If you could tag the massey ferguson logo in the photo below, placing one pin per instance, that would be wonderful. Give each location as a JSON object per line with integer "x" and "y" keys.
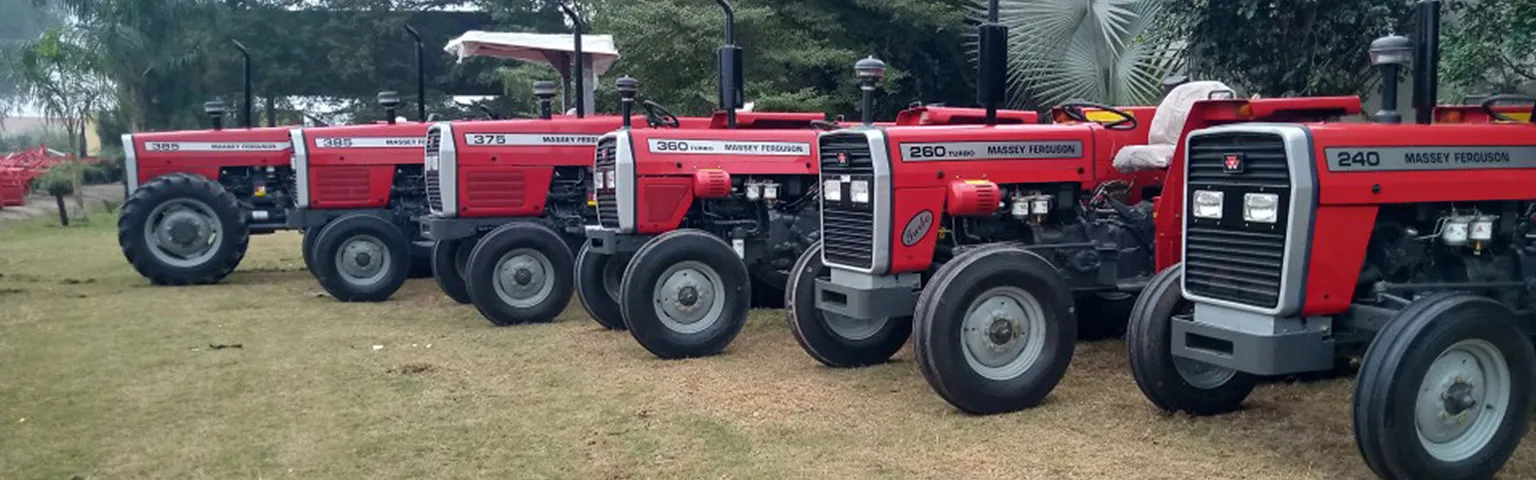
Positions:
{"x": 842, "y": 159}
{"x": 1233, "y": 163}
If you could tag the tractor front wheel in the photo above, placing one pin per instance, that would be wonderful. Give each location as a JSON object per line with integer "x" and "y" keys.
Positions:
{"x": 598, "y": 278}
{"x": 183, "y": 229}
{"x": 450, "y": 259}
{"x": 686, "y": 294}
{"x": 994, "y": 330}
{"x": 1177, "y": 384}
{"x": 520, "y": 273}
{"x": 1444, "y": 390}
{"x": 836, "y": 340}
{"x": 361, "y": 258}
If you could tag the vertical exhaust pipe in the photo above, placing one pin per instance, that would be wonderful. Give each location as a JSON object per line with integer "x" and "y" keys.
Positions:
{"x": 581, "y": 60}
{"x": 991, "y": 71}
{"x": 628, "y": 88}
{"x": 729, "y": 63}
{"x": 544, "y": 90}
{"x": 870, "y": 70}
{"x": 421, "y": 74}
{"x": 1390, "y": 53}
{"x": 1426, "y": 62}
{"x": 245, "y": 106}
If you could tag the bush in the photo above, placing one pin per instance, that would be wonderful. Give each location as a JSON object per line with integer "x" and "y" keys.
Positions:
{"x": 60, "y": 179}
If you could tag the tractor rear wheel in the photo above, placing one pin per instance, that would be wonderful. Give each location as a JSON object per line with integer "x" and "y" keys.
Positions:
{"x": 450, "y": 259}
{"x": 1173, "y": 383}
{"x": 835, "y": 340}
{"x": 1444, "y": 390}
{"x": 183, "y": 229}
{"x": 598, "y": 278}
{"x": 361, "y": 258}
{"x": 994, "y": 331}
{"x": 686, "y": 294}
{"x": 520, "y": 273}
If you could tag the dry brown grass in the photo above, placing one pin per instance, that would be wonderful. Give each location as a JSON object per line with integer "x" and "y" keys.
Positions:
{"x": 106, "y": 377}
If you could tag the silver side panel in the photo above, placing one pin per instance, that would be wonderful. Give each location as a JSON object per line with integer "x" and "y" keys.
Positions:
{"x": 130, "y": 163}
{"x": 883, "y": 193}
{"x": 448, "y": 170}
{"x": 300, "y": 164}
{"x": 624, "y": 181}
{"x": 1298, "y": 229}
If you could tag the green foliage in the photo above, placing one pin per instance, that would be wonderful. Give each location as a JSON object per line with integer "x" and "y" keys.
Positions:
{"x": 1488, "y": 48}
{"x": 14, "y": 142}
{"x": 1095, "y": 50}
{"x": 61, "y": 178}
{"x": 1284, "y": 47}
{"x": 799, "y": 53}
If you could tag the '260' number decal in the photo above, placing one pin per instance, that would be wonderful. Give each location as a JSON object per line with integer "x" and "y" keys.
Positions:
{"x": 927, "y": 152}
{"x": 1358, "y": 159}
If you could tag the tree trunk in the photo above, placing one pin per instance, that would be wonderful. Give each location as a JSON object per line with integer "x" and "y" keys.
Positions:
{"x": 63, "y": 214}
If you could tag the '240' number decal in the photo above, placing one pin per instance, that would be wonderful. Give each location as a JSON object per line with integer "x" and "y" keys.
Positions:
{"x": 1358, "y": 159}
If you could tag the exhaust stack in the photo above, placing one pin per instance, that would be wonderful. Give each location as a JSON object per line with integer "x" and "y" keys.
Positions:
{"x": 581, "y": 61}
{"x": 991, "y": 71}
{"x": 215, "y": 110}
{"x": 389, "y": 99}
{"x": 1426, "y": 61}
{"x": 870, "y": 70}
{"x": 1390, "y": 53}
{"x": 421, "y": 74}
{"x": 729, "y": 63}
{"x": 245, "y": 106}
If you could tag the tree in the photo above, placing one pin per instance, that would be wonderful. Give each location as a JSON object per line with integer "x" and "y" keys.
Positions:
{"x": 1284, "y": 47}
{"x": 1484, "y": 53}
{"x": 60, "y": 76}
{"x": 1095, "y": 50}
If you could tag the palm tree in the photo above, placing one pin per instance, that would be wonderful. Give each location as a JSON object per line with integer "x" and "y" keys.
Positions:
{"x": 1098, "y": 50}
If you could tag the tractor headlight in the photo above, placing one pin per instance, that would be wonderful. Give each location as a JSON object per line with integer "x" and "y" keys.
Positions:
{"x": 612, "y": 179}
{"x": 1261, "y": 207}
{"x": 832, "y": 190}
{"x": 597, "y": 181}
{"x": 1208, "y": 204}
{"x": 859, "y": 191}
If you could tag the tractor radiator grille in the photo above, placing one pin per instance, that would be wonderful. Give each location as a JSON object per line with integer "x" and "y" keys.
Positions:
{"x": 605, "y": 168}
{"x": 432, "y": 172}
{"x": 1231, "y": 258}
{"x": 848, "y": 228}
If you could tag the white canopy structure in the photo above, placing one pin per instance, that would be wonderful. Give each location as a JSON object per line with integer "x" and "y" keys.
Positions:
{"x": 555, "y": 50}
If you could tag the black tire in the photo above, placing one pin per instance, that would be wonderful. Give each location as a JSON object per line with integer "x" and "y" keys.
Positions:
{"x": 1388, "y": 418}
{"x": 421, "y": 259}
{"x": 449, "y": 260}
{"x": 547, "y": 261}
{"x": 944, "y": 307}
{"x": 386, "y": 275}
{"x": 162, "y": 268}
{"x": 686, "y": 249}
{"x": 307, "y": 247}
{"x": 816, "y": 335}
{"x": 1102, "y": 316}
{"x": 1150, "y": 342}
{"x": 598, "y": 280}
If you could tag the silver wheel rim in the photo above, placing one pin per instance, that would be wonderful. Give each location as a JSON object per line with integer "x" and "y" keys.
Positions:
{"x": 184, "y": 233}
{"x": 522, "y": 278}
{"x": 1004, "y": 333}
{"x": 689, "y": 298}
{"x": 363, "y": 260}
{"x": 1202, "y": 375}
{"x": 1462, "y": 401}
{"x": 852, "y": 329}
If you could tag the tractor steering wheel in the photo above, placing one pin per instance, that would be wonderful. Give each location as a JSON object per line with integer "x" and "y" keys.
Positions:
{"x": 658, "y": 116}
{"x": 1490, "y": 102}
{"x": 1073, "y": 109}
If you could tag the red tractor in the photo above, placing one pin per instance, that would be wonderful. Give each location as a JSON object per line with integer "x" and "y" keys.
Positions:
{"x": 996, "y": 247}
{"x": 1297, "y": 244}
{"x": 195, "y": 197}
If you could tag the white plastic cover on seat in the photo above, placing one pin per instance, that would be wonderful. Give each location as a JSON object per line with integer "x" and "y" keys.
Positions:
{"x": 1167, "y": 127}
{"x": 533, "y": 47}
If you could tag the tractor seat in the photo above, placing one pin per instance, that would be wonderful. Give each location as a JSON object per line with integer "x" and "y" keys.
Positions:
{"x": 1167, "y": 127}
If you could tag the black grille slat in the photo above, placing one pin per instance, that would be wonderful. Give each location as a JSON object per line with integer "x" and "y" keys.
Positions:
{"x": 607, "y": 198}
{"x": 1231, "y": 259}
{"x": 434, "y": 145}
{"x": 848, "y": 228}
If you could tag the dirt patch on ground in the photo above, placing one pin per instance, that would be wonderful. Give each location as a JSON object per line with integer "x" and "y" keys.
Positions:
{"x": 97, "y": 198}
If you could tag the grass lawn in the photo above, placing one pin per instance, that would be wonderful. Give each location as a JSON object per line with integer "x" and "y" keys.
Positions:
{"x": 104, "y": 376}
